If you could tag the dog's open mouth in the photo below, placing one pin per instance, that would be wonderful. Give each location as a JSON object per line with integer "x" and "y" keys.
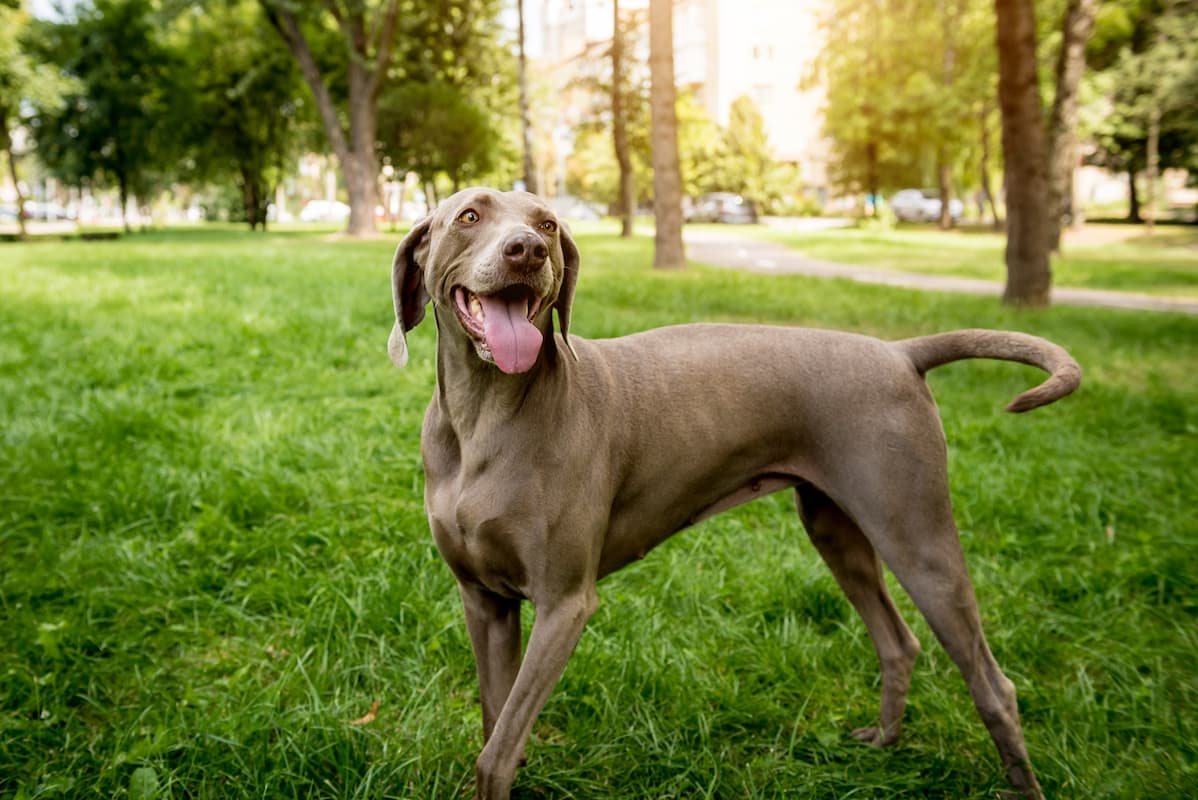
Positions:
{"x": 501, "y": 325}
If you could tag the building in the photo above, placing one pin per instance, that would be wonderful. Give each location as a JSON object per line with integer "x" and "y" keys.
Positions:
{"x": 723, "y": 49}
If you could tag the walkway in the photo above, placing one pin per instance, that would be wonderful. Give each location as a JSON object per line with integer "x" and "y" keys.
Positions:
{"x": 726, "y": 249}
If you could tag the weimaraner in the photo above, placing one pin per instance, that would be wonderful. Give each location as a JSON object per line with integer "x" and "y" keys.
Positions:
{"x": 552, "y": 461}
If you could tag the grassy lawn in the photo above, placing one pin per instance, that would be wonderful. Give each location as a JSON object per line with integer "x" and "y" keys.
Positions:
{"x": 1114, "y": 257}
{"x": 213, "y": 553}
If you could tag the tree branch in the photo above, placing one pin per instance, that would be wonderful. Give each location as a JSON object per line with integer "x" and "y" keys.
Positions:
{"x": 383, "y": 53}
{"x": 287, "y": 25}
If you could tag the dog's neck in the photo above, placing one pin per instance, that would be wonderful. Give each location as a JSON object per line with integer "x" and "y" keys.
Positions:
{"x": 482, "y": 391}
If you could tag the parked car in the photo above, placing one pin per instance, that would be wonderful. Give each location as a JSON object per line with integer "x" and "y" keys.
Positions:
{"x": 723, "y": 207}
{"x": 324, "y": 211}
{"x": 47, "y": 212}
{"x": 923, "y": 205}
{"x": 568, "y": 207}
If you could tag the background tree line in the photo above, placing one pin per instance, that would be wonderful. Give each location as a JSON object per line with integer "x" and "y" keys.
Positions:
{"x": 980, "y": 99}
{"x": 912, "y": 94}
{"x": 152, "y": 96}
{"x": 917, "y": 93}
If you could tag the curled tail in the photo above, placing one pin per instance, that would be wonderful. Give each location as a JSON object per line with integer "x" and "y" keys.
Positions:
{"x": 928, "y": 352}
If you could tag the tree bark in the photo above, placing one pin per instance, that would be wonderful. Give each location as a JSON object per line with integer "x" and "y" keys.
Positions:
{"x": 1133, "y": 197}
{"x": 668, "y": 251}
{"x": 872, "y": 180}
{"x": 1153, "y": 166}
{"x": 950, "y": 17}
{"x": 16, "y": 182}
{"x": 984, "y": 167}
{"x": 531, "y": 183}
{"x": 123, "y": 192}
{"x": 627, "y": 198}
{"x": 1029, "y": 278}
{"x": 946, "y": 195}
{"x": 1076, "y": 26}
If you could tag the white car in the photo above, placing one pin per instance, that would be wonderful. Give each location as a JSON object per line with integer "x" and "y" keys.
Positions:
{"x": 923, "y": 205}
{"x": 324, "y": 211}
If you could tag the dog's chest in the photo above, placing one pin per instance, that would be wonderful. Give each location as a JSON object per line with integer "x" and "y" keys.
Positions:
{"x": 488, "y": 523}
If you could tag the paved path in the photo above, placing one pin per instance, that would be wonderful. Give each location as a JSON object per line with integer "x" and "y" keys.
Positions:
{"x": 722, "y": 249}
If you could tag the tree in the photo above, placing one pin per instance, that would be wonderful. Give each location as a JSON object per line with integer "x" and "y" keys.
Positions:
{"x": 896, "y": 120}
{"x": 627, "y": 194}
{"x": 413, "y": 120}
{"x": 1029, "y": 280}
{"x": 667, "y": 182}
{"x": 452, "y": 48}
{"x": 110, "y": 125}
{"x": 747, "y": 155}
{"x": 367, "y": 37}
{"x": 23, "y": 81}
{"x": 1147, "y": 67}
{"x": 247, "y": 116}
{"x": 531, "y": 183}
{"x": 1076, "y": 25}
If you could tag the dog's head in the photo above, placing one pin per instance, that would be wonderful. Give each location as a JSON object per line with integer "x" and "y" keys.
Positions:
{"x": 495, "y": 264}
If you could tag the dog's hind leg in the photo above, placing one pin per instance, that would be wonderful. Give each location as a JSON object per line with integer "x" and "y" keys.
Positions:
{"x": 916, "y": 537}
{"x": 855, "y": 565}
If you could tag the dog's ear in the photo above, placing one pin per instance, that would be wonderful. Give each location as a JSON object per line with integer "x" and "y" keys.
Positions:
{"x": 565, "y": 294}
{"x": 407, "y": 288}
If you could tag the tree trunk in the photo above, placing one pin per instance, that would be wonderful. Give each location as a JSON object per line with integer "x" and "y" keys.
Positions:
{"x": 355, "y": 151}
{"x": 16, "y": 184}
{"x": 361, "y": 167}
{"x": 1076, "y": 26}
{"x": 668, "y": 251}
{"x": 627, "y": 199}
{"x": 949, "y": 22}
{"x": 946, "y": 196}
{"x": 871, "y": 169}
{"x": 123, "y": 191}
{"x": 987, "y": 192}
{"x": 1133, "y": 197}
{"x": 1029, "y": 279}
{"x": 530, "y": 165}
{"x": 1153, "y": 159}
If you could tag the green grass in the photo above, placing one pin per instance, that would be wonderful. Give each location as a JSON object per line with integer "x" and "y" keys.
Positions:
{"x": 1165, "y": 263}
{"x": 213, "y": 552}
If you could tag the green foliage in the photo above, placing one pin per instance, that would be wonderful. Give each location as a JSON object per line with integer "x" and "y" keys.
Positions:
{"x": 737, "y": 158}
{"x": 247, "y": 115}
{"x": 700, "y": 148}
{"x": 1150, "y": 55}
{"x": 746, "y": 151}
{"x": 592, "y": 171}
{"x": 213, "y": 551}
{"x": 447, "y": 106}
{"x": 435, "y": 128}
{"x": 23, "y": 79}
{"x": 907, "y": 85}
{"x": 114, "y": 126}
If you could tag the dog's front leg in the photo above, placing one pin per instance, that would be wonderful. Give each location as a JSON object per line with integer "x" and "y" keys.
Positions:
{"x": 494, "y": 625}
{"x": 555, "y": 632}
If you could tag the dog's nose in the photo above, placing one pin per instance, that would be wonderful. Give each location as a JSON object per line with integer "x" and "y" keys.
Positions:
{"x": 524, "y": 251}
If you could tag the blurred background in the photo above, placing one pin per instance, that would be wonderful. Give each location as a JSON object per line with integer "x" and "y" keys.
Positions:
{"x": 151, "y": 112}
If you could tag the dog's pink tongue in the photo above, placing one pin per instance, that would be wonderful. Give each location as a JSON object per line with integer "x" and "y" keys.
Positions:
{"x": 513, "y": 340}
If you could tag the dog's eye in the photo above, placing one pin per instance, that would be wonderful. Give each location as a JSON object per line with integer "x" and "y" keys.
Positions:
{"x": 469, "y": 217}
{"x": 548, "y": 226}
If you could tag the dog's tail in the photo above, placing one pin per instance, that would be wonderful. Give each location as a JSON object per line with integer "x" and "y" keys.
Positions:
{"x": 928, "y": 352}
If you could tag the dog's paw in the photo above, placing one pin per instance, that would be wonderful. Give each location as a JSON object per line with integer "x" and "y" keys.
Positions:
{"x": 875, "y": 736}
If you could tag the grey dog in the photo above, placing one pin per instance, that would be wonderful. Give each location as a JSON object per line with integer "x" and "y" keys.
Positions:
{"x": 551, "y": 461}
